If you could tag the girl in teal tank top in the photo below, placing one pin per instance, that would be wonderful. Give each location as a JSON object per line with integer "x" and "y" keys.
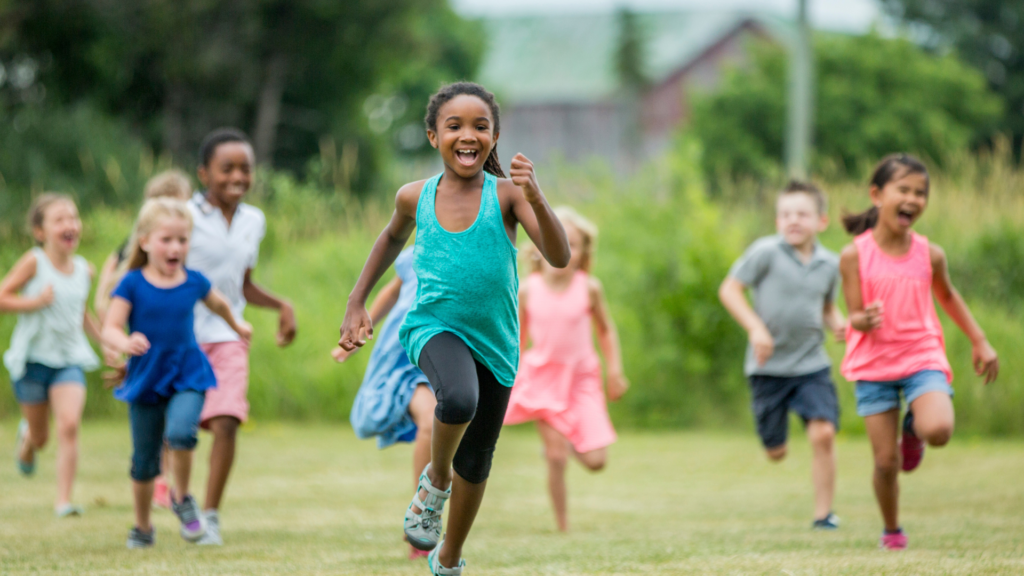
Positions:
{"x": 463, "y": 330}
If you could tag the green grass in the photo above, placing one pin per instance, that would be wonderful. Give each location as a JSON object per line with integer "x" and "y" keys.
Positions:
{"x": 314, "y": 500}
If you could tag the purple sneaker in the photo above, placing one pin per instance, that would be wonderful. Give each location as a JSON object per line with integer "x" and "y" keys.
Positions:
{"x": 911, "y": 446}
{"x": 192, "y": 525}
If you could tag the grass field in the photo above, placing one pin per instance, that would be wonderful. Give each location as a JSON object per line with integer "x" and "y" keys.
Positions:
{"x": 314, "y": 500}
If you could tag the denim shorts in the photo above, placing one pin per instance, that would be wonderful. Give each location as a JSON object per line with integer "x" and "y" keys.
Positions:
{"x": 810, "y": 396}
{"x": 877, "y": 397}
{"x": 174, "y": 420}
{"x": 34, "y": 386}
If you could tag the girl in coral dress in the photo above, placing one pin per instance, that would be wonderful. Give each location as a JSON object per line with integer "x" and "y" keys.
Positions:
{"x": 559, "y": 382}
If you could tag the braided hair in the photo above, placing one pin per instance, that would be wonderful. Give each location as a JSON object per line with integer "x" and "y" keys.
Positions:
{"x": 450, "y": 91}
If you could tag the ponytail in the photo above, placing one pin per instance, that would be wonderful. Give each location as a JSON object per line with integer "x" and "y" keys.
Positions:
{"x": 857, "y": 224}
{"x": 492, "y": 165}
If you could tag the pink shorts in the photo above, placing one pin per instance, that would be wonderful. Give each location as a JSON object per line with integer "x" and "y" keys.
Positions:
{"x": 230, "y": 362}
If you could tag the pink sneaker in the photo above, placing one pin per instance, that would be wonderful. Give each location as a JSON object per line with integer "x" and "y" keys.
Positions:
{"x": 911, "y": 447}
{"x": 894, "y": 541}
{"x": 161, "y": 494}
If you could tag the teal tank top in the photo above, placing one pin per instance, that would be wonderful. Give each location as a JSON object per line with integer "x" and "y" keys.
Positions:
{"x": 468, "y": 284}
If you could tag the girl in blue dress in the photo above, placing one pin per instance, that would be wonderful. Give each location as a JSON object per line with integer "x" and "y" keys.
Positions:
{"x": 463, "y": 330}
{"x": 395, "y": 402}
{"x": 167, "y": 374}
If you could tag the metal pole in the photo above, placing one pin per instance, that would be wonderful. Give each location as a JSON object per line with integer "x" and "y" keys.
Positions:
{"x": 801, "y": 98}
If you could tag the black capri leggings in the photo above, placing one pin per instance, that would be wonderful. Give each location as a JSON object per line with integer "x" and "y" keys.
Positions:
{"x": 466, "y": 391}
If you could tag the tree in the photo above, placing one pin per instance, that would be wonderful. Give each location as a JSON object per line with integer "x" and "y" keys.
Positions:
{"x": 874, "y": 96}
{"x": 988, "y": 34}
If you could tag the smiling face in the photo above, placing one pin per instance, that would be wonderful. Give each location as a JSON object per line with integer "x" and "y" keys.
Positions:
{"x": 61, "y": 228}
{"x": 797, "y": 219}
{"x": 464, "y": 134}
{"x": 228, "y": 174}
{"x": 901, "y": 201}
{"x": 166, "y": 246}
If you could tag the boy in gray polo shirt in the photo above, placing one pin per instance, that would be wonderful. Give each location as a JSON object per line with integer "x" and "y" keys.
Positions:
{"x": 794, "y": 281}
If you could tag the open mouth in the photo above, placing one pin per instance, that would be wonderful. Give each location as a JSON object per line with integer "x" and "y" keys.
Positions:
{"x": 173, "y": 262}
{"x": 466, "y": 157}
{"x": 905, "y": 216}
{"x": 69, "y": 237}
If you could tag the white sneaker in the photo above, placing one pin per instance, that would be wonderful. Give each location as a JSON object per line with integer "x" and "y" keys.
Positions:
{"x": 423, "y": 530}
{"x": 212, "y": 536}
{"x": 437, "y": 569}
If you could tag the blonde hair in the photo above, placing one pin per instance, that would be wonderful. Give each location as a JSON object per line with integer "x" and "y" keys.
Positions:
{"x": 587, "y": 229}
{"x": 153, "y": 212}
{"x": 37, "y": 211}
{"x": 171, "y": 183}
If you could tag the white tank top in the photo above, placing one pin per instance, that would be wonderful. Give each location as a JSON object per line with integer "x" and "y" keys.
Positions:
{"x": 53, "y": 336}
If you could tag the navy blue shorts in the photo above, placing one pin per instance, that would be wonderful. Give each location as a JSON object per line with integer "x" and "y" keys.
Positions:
{"x": 811, "y": 396}
{"x": 34, "y": 386}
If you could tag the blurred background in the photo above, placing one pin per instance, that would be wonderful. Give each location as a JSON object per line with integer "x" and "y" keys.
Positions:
{"x": 670, "y": 123}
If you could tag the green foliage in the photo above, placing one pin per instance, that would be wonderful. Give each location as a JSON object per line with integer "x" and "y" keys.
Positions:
{"x": 873, "y": 96}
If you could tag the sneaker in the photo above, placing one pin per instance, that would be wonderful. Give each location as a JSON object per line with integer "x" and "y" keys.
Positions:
{"x": 423, "y": 530}
{"x": 212, "y": 536}
{"x": 893, "y": 541}
{"x": 139, "y": 539}
{"x": 415, "y": 554}
{"x": 68, "y": 511}
{"x": 161, "y": 494}
{"x": 911, "y": 446}
{"x": 193, "y": 525}
{"x": 435, "y": 565}
{"x": 26, "y": 468}
{"x": 830, "y": 522}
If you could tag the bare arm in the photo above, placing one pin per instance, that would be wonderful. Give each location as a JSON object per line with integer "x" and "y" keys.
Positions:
{"x": 263, "y": 298}
{"x": 357, "y": 325}
{"x": 105, "y": 286}
{"x": 733, "y": 295}
{"x": 10, "y": 299}
{"x": 862, "y": 318}
{"x": 984, "y": 357}
{"x": 218, "y": 305}
{"x": 531, "y": 209}
{"x": 381, "y": 307}
{"x": 608, "y": 340}
{"x": 524, "y": 320}
{"x": 114, "y": 336}
{"x": 834, "y": 320}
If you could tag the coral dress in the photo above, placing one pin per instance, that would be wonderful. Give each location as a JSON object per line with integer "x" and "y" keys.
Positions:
{"x": 559, "y": 378}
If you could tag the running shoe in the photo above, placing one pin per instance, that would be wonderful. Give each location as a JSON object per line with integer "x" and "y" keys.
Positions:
{"x": 161, "y": 494}
{"x": 68, "y": 511}
{"x": 415, "y": 554}
{"x": 893, "y": 541}
{"x": 911, "y": 446}
{"x": 435, "y": 565}
{"x": 26, "y": 468}
{"x": 423, "y": 529}
{"x": 830, "y": 522}
{"x": 193, "y": 525}
{"x": 212, "y": 536}
{"x": 139, "y": 539}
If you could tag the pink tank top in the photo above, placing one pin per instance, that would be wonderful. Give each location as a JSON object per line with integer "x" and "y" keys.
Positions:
{"x": 559, "y": 323}
{"x": 910, "y": 338}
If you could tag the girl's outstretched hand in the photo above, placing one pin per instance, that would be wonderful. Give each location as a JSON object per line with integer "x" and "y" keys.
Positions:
{"x": 356, "y": 328}
{"x": 137, "y": 344}
{"x": 522, "y": 175}
{"x": 617, "y": 386}
{"x": 986, "y": 362}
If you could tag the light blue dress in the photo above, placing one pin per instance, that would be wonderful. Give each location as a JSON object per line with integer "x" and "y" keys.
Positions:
{"x": 381, "y": 407}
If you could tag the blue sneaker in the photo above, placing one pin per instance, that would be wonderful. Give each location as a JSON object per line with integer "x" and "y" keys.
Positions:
{"x": 830, "y": 522}
{"x": 139, "y": 539}
{"x": 26, "y": 468}
{"x": 423, "y": 529}
{"x": 193, "y": 523}
{"x": 435, "y": 565}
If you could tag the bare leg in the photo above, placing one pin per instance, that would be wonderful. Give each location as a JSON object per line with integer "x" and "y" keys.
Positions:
{"x": 143, "y": 492}
{"x": 444, "y": 442}
{"x": 556, "y": 451}
{"x": 776, "y": 453}
{"x": 594, "y": 460}
{"x": 38, "y": 418}
{"x": 933, "y": 418}
{"x": 883, "y": 430}
{"x": 465, "y": 503}
{"x": 181, "y": 467}
{"x": 67, "y": 400}
{"x": 421, "y": 408}
{"x": 822, "y": 434}
{"x": 222, "y": 456}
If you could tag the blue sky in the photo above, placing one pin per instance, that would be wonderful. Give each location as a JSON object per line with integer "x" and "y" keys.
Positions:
{"x": 846, "y": 15}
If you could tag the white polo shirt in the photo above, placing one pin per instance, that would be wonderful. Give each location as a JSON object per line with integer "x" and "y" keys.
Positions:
{"x": 223, "y": 254}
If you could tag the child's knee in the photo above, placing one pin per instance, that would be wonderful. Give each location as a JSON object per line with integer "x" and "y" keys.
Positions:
{"x": 938, "y": 435}
{"x": 67, "y": 430}
{"x": 457, "y": 408}
{"x": 39, "y": 439}
{"x": 425, "y": 427}
{"x": 776, "y": 453}
{"x": 595, "y": 463}
{"x": 887, "y": 464}
{"x": 557, "y": 457}
{"x": 822, "y": 434}
{"x": 474, "y": 466}
{"x": 181, "y": 436}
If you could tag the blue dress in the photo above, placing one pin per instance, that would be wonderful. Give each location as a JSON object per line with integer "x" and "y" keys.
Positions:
{"x": 174, "y": 361}
{"x": 381, "y": 407}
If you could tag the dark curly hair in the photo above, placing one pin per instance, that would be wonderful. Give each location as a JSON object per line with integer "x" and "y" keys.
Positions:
{"x": 449, "y": 91}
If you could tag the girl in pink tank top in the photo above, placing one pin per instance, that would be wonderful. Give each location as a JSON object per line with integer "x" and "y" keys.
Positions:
{"x": 895, "y": 344}
{"x": 559, "y": 380}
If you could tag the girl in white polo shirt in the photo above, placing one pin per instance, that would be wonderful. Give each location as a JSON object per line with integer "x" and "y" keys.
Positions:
{"x": 225, "y": 247}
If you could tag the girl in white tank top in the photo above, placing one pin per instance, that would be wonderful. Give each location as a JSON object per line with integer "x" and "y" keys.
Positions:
{"x": 48, "y": 288}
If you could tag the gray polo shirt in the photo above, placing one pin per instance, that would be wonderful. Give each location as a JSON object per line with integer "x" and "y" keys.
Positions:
{"x": 789, "y": 297}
